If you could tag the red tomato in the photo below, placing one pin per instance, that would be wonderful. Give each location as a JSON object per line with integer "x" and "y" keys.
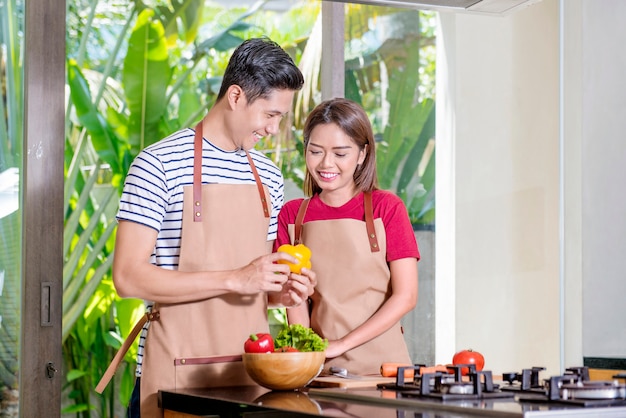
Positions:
{"x": 286, "y": 349}
{"x": 469, "y": 357}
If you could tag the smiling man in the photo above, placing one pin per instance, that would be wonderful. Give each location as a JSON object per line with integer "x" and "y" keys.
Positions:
{"x": 197, "y": 220}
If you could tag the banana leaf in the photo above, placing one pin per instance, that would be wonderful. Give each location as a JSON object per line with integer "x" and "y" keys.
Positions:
{"x": 145, "y": 77}
{"x": 10, "y": 298}
{"x": 102, "y": 136}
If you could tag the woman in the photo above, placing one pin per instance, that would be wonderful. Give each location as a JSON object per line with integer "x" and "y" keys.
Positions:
{"x": 363, "y": 246}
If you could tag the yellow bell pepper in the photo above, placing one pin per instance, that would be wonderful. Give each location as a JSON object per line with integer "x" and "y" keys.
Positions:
{"x": 301, "y": 252}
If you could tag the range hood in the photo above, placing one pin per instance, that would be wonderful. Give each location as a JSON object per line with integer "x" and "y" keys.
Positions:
{"x": 484, "y": 7}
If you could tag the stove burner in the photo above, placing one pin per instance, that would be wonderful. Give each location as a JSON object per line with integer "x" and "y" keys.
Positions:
{"x": 528, "y": 380}
{"x": 574, "y": 388}
{"x": 457, "y": 388}
{"x": 447, "y": 386}
{"x": 593, "y": 390}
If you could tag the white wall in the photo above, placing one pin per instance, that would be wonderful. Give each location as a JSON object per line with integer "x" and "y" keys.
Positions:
{"x": 603, "y": 159}
{"x": 571, "y": 140}
{"x": 502, "y": 131}
{"x": 531, "y": 223}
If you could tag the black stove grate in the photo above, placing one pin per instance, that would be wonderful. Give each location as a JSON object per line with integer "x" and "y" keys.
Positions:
{"x": 447, "y": 386}
{"x": 527, "y": 388}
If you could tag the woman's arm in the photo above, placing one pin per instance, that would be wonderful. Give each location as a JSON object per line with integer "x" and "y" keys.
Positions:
{"x": 299, "y": 315}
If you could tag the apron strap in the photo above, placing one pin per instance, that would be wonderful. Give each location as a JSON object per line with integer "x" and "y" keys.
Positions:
{"x": 369, "y": 222}
{"x": 115, "y": 363}
{"x": 197, "y": 174}
{"x": 197, "y": 178}
{"x": 193, "y": 361}
{"x": 297, "y": 239}
{"x": 259, "y": 186}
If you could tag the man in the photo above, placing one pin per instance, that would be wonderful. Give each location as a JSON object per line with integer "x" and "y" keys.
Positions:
{"x": 196, "y": 240}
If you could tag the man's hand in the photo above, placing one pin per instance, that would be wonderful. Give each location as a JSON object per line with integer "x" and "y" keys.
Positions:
{"x": 263, "y": 274}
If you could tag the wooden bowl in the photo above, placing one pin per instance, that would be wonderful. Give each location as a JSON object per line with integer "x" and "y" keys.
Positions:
{"x": 284, "y": 371}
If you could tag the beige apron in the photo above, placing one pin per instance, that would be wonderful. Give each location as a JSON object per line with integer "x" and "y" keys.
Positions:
{"x": 199, "y": 344}
{"x": 353, "y": 282}
{"x": 224, "y": 228}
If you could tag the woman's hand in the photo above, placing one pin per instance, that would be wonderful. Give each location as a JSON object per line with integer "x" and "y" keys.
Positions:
{"x": 296, "y": 289}
{"x": 335, "y": 349}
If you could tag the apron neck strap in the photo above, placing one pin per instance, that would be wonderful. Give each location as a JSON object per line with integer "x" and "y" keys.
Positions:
{"x": 197, "y": 174}
{"x": 369, "y": 221}
{"x": 297, "y": 238}
{"x": 259, "y": 185}
{"x": 197, "y": 178}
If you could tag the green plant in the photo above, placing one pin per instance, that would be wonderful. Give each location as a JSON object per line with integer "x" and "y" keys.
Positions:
{"x": 93, "y": 320}
{"x": 11, "y": 130}
{"x": 392, "y": 77}
{"x": 101, "y": 130}
{"x": 406, "y": 155}
{"x": 389, "y": 70}
{"x": 10, "y": 232}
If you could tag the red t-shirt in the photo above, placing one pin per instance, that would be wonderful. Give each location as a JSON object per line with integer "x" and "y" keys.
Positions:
{"x": 401, "y": 241}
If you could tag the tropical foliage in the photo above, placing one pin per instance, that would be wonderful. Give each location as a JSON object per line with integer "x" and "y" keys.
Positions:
{"x": 162, "y": 80}
{"x": 390, "y": 70}
{"x": 138, "y": 71}
{"x": 11, "y": 102}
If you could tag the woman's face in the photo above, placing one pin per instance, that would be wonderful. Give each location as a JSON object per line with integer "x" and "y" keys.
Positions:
{"x": 332, "y": 158}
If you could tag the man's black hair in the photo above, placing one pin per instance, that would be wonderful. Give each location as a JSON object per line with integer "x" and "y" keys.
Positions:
{"x": 259, "y": 66}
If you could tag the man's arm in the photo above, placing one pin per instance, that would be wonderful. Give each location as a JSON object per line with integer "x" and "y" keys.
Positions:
{"x": 135, "y": 276}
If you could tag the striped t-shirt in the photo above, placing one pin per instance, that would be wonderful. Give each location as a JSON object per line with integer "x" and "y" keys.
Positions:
{"x": 153, "y": 191}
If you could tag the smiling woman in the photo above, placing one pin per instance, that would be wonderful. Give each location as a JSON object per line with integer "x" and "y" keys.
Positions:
{"x": 362, "y": 244}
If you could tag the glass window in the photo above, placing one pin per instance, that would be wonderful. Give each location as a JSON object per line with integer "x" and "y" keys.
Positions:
{"x": 11, "y": 25}
{"x": 390, "y": 69}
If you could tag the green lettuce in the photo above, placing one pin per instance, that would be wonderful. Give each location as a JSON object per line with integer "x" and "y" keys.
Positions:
{"x": 300, "y": 338}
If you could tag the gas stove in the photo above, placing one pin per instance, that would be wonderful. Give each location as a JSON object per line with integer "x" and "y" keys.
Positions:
{"x": 447, "y": 386}
{"x": 573, "y": 388}
{"x": 523, "y": 394}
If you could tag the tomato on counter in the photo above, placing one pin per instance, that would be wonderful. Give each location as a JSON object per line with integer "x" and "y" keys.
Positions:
{"x": 469, "y": 357}
{"x": 259, "y": 343}
{"x": 301, "y": 252}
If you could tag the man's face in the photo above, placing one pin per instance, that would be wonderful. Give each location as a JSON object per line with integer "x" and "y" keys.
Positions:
{"x": 260, "y": 118}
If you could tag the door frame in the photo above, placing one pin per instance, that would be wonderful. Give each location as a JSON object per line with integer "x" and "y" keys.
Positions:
{"x": 41, "y": 357}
